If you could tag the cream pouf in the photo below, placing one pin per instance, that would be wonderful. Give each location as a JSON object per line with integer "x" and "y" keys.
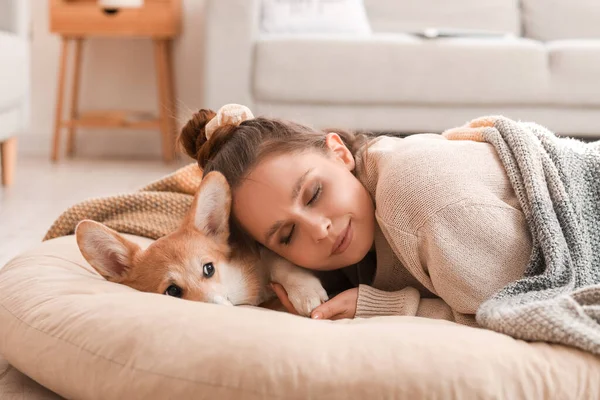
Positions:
{"x": 85, "y": 338}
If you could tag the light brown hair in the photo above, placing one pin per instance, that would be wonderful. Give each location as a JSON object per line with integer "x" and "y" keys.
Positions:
{"x": 235, "y": 150}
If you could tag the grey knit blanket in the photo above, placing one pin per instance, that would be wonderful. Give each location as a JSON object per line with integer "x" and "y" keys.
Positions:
{"x": 557, "y": 181}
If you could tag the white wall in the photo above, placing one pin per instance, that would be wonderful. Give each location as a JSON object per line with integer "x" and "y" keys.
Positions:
{"x": 116, "y": 73}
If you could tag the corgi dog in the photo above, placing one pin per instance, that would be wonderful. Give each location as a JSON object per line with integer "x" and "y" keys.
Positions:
{"x": 196, "y": 262}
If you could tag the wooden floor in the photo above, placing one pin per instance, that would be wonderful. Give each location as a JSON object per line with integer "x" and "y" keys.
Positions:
{"x": 42, "y": 191}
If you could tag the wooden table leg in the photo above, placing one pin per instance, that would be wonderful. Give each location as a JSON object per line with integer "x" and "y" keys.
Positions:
{"x": 59, "y": 98}
{"x": 74, "y": 96}
{"x": 171, "y": 95}
{"x": 160, "y": 54}
{"x": 8, "y": 152}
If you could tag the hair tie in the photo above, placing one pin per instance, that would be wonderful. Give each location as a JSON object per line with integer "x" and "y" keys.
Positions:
{"x": 229, "y": 114}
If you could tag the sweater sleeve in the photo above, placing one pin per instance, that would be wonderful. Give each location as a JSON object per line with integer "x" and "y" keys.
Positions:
{"x": 408, "y": 302}
{"x": 471, "y": 251}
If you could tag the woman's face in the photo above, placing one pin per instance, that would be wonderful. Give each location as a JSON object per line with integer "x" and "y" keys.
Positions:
{"x": 308, "y": 207}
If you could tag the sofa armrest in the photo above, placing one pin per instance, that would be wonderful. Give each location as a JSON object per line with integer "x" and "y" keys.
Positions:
{"x": 14, "y": 19}
{"x": 7, "y": 16}
{"x": 232, "y": 27}
{"x": 14, "y": 16}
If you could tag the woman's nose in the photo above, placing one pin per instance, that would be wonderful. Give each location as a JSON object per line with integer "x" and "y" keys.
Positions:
{"x": 319, "y": 227}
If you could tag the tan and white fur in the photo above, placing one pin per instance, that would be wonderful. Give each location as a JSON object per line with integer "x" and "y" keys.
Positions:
{"x": 196, "y": 262}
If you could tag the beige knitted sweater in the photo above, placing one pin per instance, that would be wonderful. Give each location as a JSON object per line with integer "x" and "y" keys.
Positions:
{"x": 450, "y": 230}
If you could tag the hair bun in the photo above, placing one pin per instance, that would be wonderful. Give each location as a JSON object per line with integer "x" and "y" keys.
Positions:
{"x": 193, "y": 134}
{"x": 229, "y": 114}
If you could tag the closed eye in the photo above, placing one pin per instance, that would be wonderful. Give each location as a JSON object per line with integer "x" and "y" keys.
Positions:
{"x": 287, "y": 239}
{"x": 315, "y": 195}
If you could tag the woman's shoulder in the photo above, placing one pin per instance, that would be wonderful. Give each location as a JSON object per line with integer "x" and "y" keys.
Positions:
{"x": 417, "y": 145}
{"x": 411, "y": 161}
{"x": 418, "y": 176}
{"x": 391, "y": 155}
{"x": 386, "y": 143}
{"x": 415, "y": 152}
{"x": 430, "y": 157}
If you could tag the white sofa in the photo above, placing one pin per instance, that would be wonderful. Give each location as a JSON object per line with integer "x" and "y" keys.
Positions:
{"x": 14, "y": 81}
{"x": 548, "y": 71}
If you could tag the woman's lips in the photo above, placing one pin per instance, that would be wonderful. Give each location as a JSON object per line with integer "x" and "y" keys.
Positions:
{"x": 343, "y": 241}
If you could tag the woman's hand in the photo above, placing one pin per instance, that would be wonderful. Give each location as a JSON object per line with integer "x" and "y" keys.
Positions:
{"x": 341, "y": 306}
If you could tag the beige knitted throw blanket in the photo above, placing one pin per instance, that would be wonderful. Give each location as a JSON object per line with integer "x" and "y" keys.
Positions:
{"x": 153, "y": 211}
{"x": 557, "y": 181}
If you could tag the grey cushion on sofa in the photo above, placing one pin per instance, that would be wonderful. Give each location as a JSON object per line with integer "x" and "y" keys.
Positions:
{"x": 397, "y": 69}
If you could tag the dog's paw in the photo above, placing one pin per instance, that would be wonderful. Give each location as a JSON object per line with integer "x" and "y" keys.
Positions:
{"x": 306, "y": 296}
{"x": 303, "y": 288}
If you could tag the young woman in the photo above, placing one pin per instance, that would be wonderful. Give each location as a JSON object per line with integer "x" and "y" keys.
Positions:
{"x": 422, "y": 226}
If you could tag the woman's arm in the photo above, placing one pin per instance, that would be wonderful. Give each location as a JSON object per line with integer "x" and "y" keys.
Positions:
{"x": 464, "y": 254}
{"x": 471, "y": 251}
{"x": 366, "y": 301}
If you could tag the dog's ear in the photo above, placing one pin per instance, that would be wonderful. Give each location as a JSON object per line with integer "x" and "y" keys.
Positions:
{"x": 210, "y": 209}
{"x": 105, "y": 249}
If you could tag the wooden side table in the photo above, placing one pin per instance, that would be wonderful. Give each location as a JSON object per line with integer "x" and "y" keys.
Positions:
{"x": 76, "y": 20}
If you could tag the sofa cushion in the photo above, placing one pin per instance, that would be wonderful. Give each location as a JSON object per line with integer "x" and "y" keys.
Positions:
{"x": 396, "y": 68}
{"x": 13, "y": 59}
{"x": 411, "y": 15}
{"x": 575, "y": 71}
{"x": 561, "y": 19}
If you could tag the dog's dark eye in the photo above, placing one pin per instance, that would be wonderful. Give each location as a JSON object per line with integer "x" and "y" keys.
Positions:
{"x": 208, "y": 269}
{"x": 174, "y": 291}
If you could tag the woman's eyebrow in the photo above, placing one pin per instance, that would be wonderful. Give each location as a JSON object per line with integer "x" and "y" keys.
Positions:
{"x": 295, "y": 193}
{"x": 299, "y": 184}
{"x": 272, "y": 230}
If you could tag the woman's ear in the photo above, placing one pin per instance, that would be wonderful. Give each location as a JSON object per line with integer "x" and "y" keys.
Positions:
{"x": 336, "y": 145}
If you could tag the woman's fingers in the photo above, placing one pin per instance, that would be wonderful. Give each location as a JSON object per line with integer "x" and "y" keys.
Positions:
{"x": 283, "y": 298}
{"x": 325, "y": 310}
{"x": 341, "y": 306}
{"x": 330, "y": 311}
